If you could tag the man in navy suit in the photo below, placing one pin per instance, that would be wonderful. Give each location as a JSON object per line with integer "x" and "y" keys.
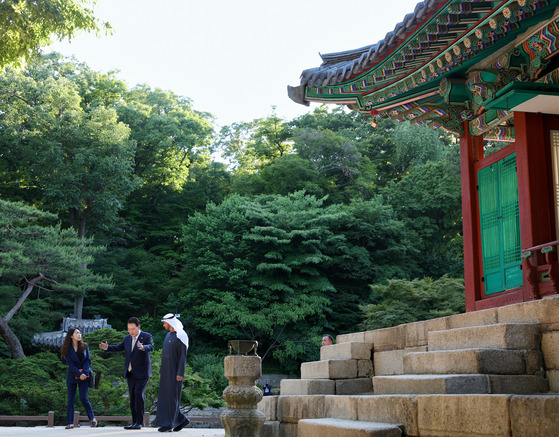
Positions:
{"x": 137, "y": 368}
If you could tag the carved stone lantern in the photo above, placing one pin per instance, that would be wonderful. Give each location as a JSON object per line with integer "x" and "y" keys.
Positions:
{"x": 241, "y": 418}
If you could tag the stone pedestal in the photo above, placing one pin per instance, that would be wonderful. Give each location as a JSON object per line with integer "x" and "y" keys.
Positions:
{"x": 241, "y": 418}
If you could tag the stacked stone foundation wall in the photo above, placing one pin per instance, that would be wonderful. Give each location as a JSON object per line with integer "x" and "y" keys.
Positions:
{"x": 525, "y": 336}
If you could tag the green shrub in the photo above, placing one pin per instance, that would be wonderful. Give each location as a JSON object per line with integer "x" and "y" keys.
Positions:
{"x": 210, "y": 367}
{"x": 402, "y": 301}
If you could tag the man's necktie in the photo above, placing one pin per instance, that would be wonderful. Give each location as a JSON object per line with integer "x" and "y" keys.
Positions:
{"x": 131, "y": 349}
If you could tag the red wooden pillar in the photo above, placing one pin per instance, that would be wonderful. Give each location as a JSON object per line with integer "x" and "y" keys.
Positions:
{"x": 534, "y": 182}
{"x": 471, "y": 151}
{"x": 551, "y": 122}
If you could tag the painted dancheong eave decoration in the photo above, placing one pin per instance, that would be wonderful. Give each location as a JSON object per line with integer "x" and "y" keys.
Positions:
{"x": 448, "y": 62}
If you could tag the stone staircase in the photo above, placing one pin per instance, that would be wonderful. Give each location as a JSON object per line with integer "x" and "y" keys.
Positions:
{"x": 446, "y": 377}
{"x": 501, "y": 358}
{"x": 343, "y": 369}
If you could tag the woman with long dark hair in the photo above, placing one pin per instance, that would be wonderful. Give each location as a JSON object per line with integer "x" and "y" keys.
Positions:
{"x": 75, "y": 353}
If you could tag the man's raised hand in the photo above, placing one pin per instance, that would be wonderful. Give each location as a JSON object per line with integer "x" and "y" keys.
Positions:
{"x": 104, "y": 346}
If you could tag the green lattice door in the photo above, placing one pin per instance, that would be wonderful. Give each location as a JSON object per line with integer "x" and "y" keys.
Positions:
{"x": 500, "y": 226}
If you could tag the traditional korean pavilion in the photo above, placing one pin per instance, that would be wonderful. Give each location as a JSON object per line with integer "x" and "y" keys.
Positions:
{"x": 487, "y": 71}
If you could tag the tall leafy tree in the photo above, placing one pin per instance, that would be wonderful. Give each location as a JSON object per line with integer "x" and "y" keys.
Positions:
{"x": 281, "y": 269}
{"x": 428, "y": 201}
{"x": 257, "y": 264}
{"x": 377, "y": 246}
{"x": 170, "y": 135}
{"x": 334, "y": 159}
{"x": 27, "y": 25}
{"x": 285, "y": 175}
{"x": 249, "y": 146}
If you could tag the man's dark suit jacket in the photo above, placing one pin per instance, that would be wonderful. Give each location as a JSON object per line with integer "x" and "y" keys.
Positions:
{"x": 141, "y": 361}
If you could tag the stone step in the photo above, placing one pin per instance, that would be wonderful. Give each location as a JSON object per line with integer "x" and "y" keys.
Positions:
{"x": 459, "y": 384}
{"x": 431, "y": 384}
{"x": 488, "y": 415}
{"x": 355, "y": 386}
{"x": 355, "y": 350}
{"x": 470, "y": 361}
{"x": 329, "y": 369}
{"x": 289, "y": 387}
{"x": 346, "y": 428}
{"x": 499, "y": 336}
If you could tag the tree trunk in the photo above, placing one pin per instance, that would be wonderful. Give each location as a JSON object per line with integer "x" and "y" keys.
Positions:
{"x": 79, "y": 221}
{"x": 9, "y": 337}
{"x": 11, "y": 340}
{"x": 26, "y": 293}
{"x": 78, "y": 306}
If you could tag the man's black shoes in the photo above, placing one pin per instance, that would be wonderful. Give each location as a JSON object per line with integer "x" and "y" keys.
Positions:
{"x": 133, "y": 426}
{"x": 165, "y": 429}
{"x": 182, "y": 425}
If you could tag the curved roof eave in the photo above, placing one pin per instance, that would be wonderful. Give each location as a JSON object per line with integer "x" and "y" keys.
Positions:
{"x": 340, "y": 66}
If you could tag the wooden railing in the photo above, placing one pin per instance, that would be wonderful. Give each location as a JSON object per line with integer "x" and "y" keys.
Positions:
{"x": 49, "y": 418}
{"x": 540, "y": 269}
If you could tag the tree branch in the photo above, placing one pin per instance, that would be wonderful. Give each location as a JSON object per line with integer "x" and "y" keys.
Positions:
{"x": 11, "y": 228}
{"x": 30, "y": 285}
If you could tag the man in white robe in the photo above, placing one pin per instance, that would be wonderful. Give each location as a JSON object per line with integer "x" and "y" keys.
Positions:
{"x": 173, "y": 365}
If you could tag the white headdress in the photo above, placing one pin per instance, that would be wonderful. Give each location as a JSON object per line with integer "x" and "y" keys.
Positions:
{"x": 177, "y": 326}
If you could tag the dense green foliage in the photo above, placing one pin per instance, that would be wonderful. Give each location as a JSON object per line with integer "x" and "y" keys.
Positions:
{"x": 26, "y": 25}
{"x": 282, "y": 242}
{"x": 411, "y": 301}
{"x": 272, "y": 267}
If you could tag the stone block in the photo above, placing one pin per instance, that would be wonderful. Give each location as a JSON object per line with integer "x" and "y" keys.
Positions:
{"x": 269, "y": 429}
{"x": 346, "y": 351}
{"x": 389, "y": 362}
{"x": 346, "y": 338}
{"x": 387, "y": 338}
{"x": 340, "y": 407}
{"x": 553, "y": 379}
{"x": 287, "y": 430}
{"x": 329, "y": 369}
{"x": 431, "y": 384}
{"x": 291, "y": 409}
{"x": 473, "y": 318}
{"x": 550, "y": 350}
{"x": 400, "y": 409}
{"x": 518, "y": 384}
{"x": 464, "y": 415}
{"x": 416, "y": 333}
{"x": 290, "y": 387}
{"x": 500, "y": 336}
{"x": 346, "y": 428}
{"x": 364, "y": 368}
{"x": 409, "y": 350}
{"x": 269, "y": 406}
{"x": 242, "y": 369}
{"x": 542, "y": 311}
{"x": 535, "y": 416}
{"x": 534, "y": 362}
{"x": 354, "y": 386}
{"x": 507, "y": 362}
